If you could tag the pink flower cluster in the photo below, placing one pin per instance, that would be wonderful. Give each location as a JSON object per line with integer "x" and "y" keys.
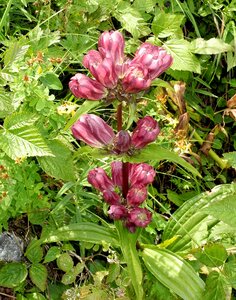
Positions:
{"x": 125, "y": 207}
{"x": 95, "y": 132}
{"x": 114, "y": 75}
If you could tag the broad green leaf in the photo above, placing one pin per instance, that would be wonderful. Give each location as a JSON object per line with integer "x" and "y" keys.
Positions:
{"x": 144, "y": 5}
{"x": 184, "y": 59}
{"x": 217, "y": 287}
{"x": 34, "y": 296}
{"x": 65, "y": 262}
{"x": 165, "y": 25}
{"x": 231, "y": 158}
{"x": 191, "y": 222}
{"x": 84, "y": 232}
{"x": 52, "y": 254}
{"x": 230, "y": 271}
{"x": 128, "y": 247}
{"x": 15, "y": 52}
{"x": 68, "y": 278}
{"x": 223, "y": 210}
{"x": 21, "y": 138}
{"x": 61, "y": 164}
{"x": 131, "y": 20}
{"x": 211, "y": 46}
{"x": 213, "y": 255}
{"x": 51, "y": 81}
{"x": 12, "y": 275}
{"x": 157, "y": 153}
{"x": 6, "y": 106}
{"x": 38, "y": 275}
{"x": 34, "y": 254}
{"x": 174, "y": 272}
{"x": 86, "y": 107}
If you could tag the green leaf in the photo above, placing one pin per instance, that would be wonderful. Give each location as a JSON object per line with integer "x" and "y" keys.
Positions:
{"x": 16, "y": 52}
{"x": 223, "y": 210}
{"x": 158, "y": 153}
{"x": 84, "y": 232}
{"x": 38, "y": 275}
{"x": 230, "y": 271}
{"x": 65, "y": 262}
{"x": 34, "y": 253}
{"x": 191, "y": 223}
{"x": 131, "y": 20}
{"x": 6, "y": 106}
{"x": 231, "y": 158}
{"x": 165, "y": 25}
{"x": 144, "y": 5}
{"x": 51, "y": 81}
{"x": 21, "y": 138}
{"x": 68, "y": 278}
{"x": 34, "y": 296}
{"x": 217, "y": 287}
{"x": 211, "y": 46}
{"x": 128, "y": 246}
{"x": 61, "y": 164}
{"x": 184, "y": 59}
{"x": 52, "y": 254}
{"x": 12, "y": 275}
{"x": 213, "y": 255}
{"x": 174, "y": 272}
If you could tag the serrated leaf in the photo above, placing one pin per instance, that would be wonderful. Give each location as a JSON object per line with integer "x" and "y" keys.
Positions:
{"x": 213, "y": 255}
{"x": 51, "y": 81}
{"x": 84, "y": 232}
{"x": 38, "y": 275}
{"x": 131, "y": 20}
{"x": 15, "y": 52}
{"x": 174, "y": 272}
{"x": 184, "y": 59}
{"x": 65, "y": 262}
{"x": 211, "y": 46}
{"x": 165, "y": 25}
{"x": 144, "y": 5}
{"x": 231, "y": 158}
{"x": 52, "y": 254}
{"x": 12, "y": 275}
{"x": 61, "y": 164}
{"x": 68, "y": 278}
{"x": 230, "y": 271}
{"x": 158, "y": 153}
{"x": 34, "y": 253}
{"x": 6, "y": 106}
{"x": 217, "y": 287}
{"x": 18, "y": 120}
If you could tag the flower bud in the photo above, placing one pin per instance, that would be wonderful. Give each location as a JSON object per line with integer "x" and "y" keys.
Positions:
{"x": 117, "y": 212}
{"x": 154, "y": 58}
{"x": 116, "y": 171}
{"x": 111, "y": 197}
{"x": 84, "y": 87}
{"x": 103, "y": 69}
{"x": 121, "y": 142}
{"x": 141, "y": 174}
{"x": 99, "y": 180}
{"x": 92, "y": 130}
{"x": 136, "y": 79}
{"x": 146, "y": 131}
{"x": 140, "y": 217}
{"x": 136, "y": 195}
{"x": 111, "y": 44}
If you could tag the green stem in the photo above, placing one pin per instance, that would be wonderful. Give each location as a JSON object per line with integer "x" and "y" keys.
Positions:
{"x": 3, "y": 19}
{"x": 221, "y": 162}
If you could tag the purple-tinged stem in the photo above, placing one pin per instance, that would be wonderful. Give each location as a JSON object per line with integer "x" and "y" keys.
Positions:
{"x": 125, "y": 175}
{"x": 119, "y": 117}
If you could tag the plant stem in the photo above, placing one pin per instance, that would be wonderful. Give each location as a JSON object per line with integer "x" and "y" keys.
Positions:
{"x": 119, "y": 117}
{"x": 125, "y": 183}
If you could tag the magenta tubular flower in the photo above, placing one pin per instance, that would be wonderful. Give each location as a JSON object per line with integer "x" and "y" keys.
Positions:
{"x": 117, "y": 212}
{"x": 141, "y": 174}
{"x": 154, "y": 58}
{"x": 116, "y": 171}
{"x": 111, "y": 45}
{"x": 84, "y": 87}
{"x": 99, "y": 180}
{"x": 92, "y": 130}
{"x": 122, "y": 142}
{"x": 136, "y": 79}
{"x": 103, "y": 69}
{"x": 146, "y": 131}
{"x": 111, "y": 197}
{"x": 136, "y": 195}
{"x": 140, "y": 217}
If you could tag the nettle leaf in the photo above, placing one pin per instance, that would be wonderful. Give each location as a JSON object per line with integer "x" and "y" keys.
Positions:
{"x": 61, "y": 164}
{"x": 184, "y": 59}
{"x": 13, "y": 274}
{"x": 217, "y": 287}
{"x": 211, "y": 46}
{"x": 51, "y": 81}
{"x": 21, "y": 138}
{"x": 174, "y": 272}
{"x": 131, "y": 20}
{"x": 38, "y": 275}
{"x": 165, "y": 25}
{"x": 231, "y": 158}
